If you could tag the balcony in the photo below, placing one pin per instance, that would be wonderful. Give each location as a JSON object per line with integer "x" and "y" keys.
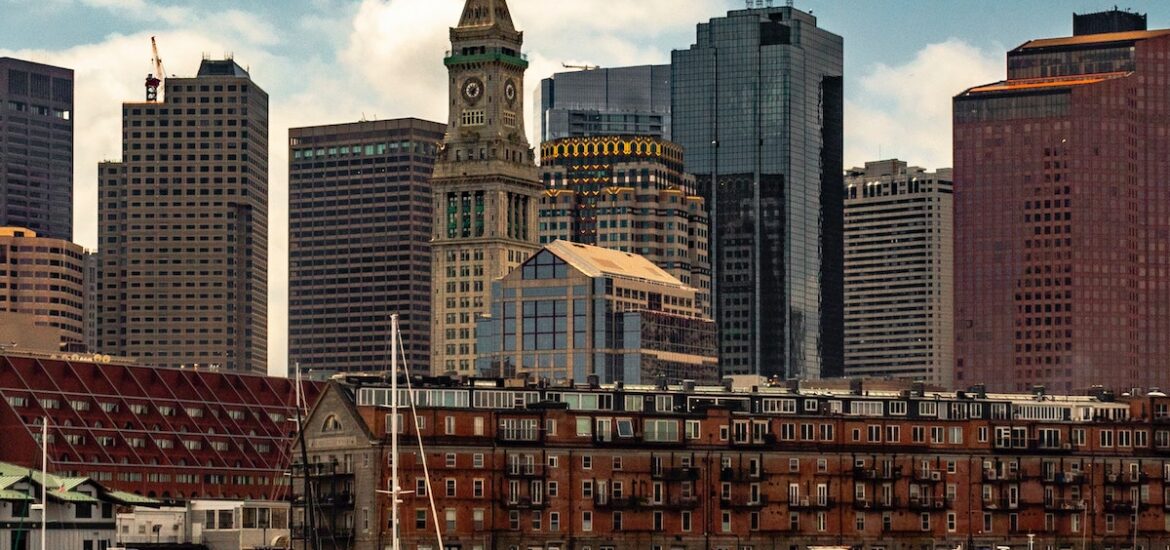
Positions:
{"x": 928, "y": 476}
{"x": 1001, "y": 504}
{"x": 1119, "y": 507}
{"x": 1064, "y": 505}
{"x": 996, "y": 476}
{"x": 677, "y": 503}
{"x": 522, "y": 503}
{"x": 884, "y": 474}
{"x": 743, "y": 503}
{"x": 1131, "y": 478}
{"x": 1065, "y": 478}
{"x": 525, "y": 472}
{"x": 739, "y": 474}
{"x": 339, "y": 500}
{"x": 675, "y": 474}
{"x": 811, "y": 504}
{"x": 517, "y": 59}
{"x": 879, "y": 504}
{"x": 602, "y": 502}
{"x": 927, "y": 504}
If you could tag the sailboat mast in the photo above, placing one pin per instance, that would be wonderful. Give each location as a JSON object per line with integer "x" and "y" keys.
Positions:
{"x": 394, "y": 429}
{"x": 44, "y": 480}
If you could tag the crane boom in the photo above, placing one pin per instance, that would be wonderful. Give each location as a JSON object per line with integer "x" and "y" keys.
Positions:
{"x": 582, "y": 67}
{"x": 153, "y": 80}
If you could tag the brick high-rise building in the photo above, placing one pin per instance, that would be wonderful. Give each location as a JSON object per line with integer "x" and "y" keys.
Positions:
{"x": 868, "y": 466}
{"x": 183, "y": 226}
{"x": 359, "y": 242}
{"x": 757, "y": 105}
{"x": 1062, "y": 216}
{"x": 486, "y": 187}
{"x": 36, "y": 152}
{"x": 899, "y": 285}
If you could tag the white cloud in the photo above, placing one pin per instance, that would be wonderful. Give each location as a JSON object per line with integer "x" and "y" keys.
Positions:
{"x": 143, "y": 10}
{"x": 904, "y": 111}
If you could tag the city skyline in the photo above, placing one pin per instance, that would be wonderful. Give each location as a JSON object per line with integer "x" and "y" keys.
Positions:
{"x": 330, "y": 69}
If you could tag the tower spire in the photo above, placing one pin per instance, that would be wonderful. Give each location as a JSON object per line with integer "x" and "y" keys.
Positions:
{"x": 486, "y": 14}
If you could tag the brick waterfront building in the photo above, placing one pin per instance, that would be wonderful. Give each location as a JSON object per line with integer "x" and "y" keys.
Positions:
{"x": 158, "y": 432}
{"x": 515, "y": 466}
{"x": 1061, "y": 214}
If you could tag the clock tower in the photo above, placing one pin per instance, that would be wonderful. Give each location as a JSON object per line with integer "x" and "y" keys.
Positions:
{"x": 486, "y": 187}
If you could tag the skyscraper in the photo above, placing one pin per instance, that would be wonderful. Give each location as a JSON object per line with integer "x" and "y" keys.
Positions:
{"x": 36, "y": 153}
{"x": 756, "y": 104}
{"x": 899, "y": 285}
{"x": 359, "y": 242}
{"x": 183, "y": 230}
{"x": 613, "y": 101}
{"x": 628, "y": 193}
{"x": 1062, "y": 215}
{"x": 486, "y": 187}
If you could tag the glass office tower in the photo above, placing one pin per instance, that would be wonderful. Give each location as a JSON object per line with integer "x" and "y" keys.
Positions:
{"x": 757, "y": 106}
{"x": 600, "y": 102}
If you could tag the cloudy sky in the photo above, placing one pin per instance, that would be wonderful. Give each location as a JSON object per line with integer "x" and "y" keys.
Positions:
{"x": 329, "y": 61}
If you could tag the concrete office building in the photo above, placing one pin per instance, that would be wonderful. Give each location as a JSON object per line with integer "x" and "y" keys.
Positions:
{"x": 360, "y": 224}
{"x": 36, "y": 147}
{"x": 574, "y": 312}
{"x": 42, "y": 292}
{"x": 605, "y": 102}
{"x": 183, "y": 226}
{"x": 1062, "y": 216}
{"x": 486, "y": 187}
{"x": 627, "y": 193}
{"x": 756, "y": 103}
{"x": 899, "y": 282}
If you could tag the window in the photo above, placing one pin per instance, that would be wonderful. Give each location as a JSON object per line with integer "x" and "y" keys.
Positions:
{"x": 725, "y": 523}
{"x": 450, "y": 516}
{"x": 420, "y": 486}
{"x": 450, "y": 487}
{"x": 420, "y": 519}
{"x": 473, "y": 117}
{"x": 586, "y": 462}
{"x": 661, "y": 430}
{"x": 586, "y": 521}
{"x": 694, "y": 429}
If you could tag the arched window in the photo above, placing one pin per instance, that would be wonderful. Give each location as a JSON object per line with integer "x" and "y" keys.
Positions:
{"x": 331, "y": 424}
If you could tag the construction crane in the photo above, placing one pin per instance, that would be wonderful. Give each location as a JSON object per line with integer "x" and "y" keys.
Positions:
{"x": 582, "y": 67}
{"x": 154, "y": 80}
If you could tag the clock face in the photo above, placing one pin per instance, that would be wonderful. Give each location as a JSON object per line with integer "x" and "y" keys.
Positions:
{"x": 510, "y": 91}
{"x": 472, "y": 90}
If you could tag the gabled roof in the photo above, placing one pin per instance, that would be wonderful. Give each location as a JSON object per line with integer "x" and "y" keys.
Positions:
{"x": 486, "y": 14}
{"x": 595, "y": 261}
{"x": 63, "y": 489}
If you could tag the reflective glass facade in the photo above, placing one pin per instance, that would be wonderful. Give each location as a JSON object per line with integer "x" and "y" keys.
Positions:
{"x": 621, "y": 100}
{"x": 757, "y": 106}
{"x": 571, "y": 311}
